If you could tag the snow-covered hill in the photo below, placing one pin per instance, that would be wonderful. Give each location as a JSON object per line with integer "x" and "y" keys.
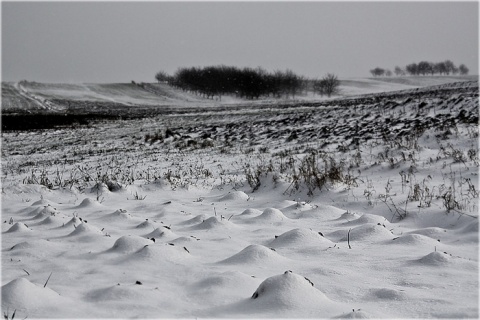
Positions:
{"x": 26, "y": 96}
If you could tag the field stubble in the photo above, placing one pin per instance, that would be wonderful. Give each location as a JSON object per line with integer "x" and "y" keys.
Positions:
{"x": 406, "y": 138}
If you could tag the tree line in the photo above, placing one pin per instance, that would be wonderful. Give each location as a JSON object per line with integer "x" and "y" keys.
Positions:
{"x": 423, "y": 68}
{"x": 246, "y": 82}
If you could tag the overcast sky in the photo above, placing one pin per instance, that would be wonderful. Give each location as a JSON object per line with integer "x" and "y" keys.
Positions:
{"x": 124, "y": 41}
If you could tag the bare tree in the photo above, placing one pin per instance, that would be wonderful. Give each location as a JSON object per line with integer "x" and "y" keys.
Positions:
{"x": 330, "y": 84}
{"x": 318, "y": 87}
{"x": 162, "y": 76}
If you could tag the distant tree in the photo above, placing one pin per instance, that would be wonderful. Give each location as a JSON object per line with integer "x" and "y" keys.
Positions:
{"x": 388, "y": 73}
{"x": 162, "y": 76}
{"x": 428, "y": 68}
{"x": 424, "y": 67}
{"x": 377, "y": 72}
{"x": 463, "y": 69}
{"x": 450, "y": 67}
{"x": 330, "y": 84}
{"x": 431, "y": 68}
{"x": 317, "y": 87}
{"x": 412, "y": 69}
{"x": 440, "y": 68}
{"x": 399, "y": 71}
{"x": 214, "y": 81}
{"x": 293, "y": 83}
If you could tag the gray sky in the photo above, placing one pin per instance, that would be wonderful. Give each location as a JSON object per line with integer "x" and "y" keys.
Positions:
{"x": 124, "y": 41}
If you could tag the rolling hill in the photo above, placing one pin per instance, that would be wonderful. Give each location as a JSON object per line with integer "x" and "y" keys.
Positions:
{"x": 34, "y": 97}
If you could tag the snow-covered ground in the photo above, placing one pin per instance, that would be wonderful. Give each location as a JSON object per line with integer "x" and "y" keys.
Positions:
{"x": 26, "y": 95}
{"x": 364, "y": 207}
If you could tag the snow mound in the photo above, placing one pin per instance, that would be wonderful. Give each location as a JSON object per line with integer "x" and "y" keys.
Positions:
{"x": 160, "y": 254}
{"x": 368, "y": 218}
{"x": 128, "y": 244}
{"x": 246, "y": 216}
{"x": 212, "y": 223}
{"x": 285, "y": 295}
{"x": 75, "y": 221}
{"x": 387, "y": 294}
{"x": 254, "y": 254}
{"x": 297, "y": 207}
{"x": 414, "y": 240}
{"x": 348, "y": 216}
{"x": 35, "y": 211}
{"x": 38, "y": 245}
{"x": 300, "y": 237}
{"x": 49, "y": 210}
{"x": 118, "y": 215}
{"x": 251, "y": 212}
{"x": 368, "y": 231}
{"x": 89, "y": 203}
{"x": 41, "y": 202}
{"x": 271, "y": 215}
{"x": 85, "y": 229}
{"x": 49, "y": 221}
{"x": 146, "y": 224}
{"x": 41, "y": 213}
{"x": 435, "y": 259}
{"x": 182, "y": 240}
{"x": 161, "y": 233}
{"x": 197, "y": 219}
{"x": 359, "y": 314}
{"x": 18, "y": 227}
{"x": 287, "y": 291}
{"x": 235, "y": 196}
{"x": 21, "y": 294}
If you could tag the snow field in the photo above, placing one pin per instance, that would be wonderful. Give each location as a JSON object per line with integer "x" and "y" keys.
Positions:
{"x": 126, "y": 262}
{"x": 26, "y": 95}
{"x": 353, "y": 216}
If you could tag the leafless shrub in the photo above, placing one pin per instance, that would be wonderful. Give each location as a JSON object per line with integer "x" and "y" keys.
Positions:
{"x": 450, "y": 201}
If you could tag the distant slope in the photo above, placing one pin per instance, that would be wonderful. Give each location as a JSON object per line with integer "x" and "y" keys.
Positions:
{"x": 13, "y": 99}
{"x": 359, "y": 86}
{"x": 424, "y": 81}
{"x": 33, "y": 96}
{"x": 354, "y": 87}
{"x": 122, "y": 93}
